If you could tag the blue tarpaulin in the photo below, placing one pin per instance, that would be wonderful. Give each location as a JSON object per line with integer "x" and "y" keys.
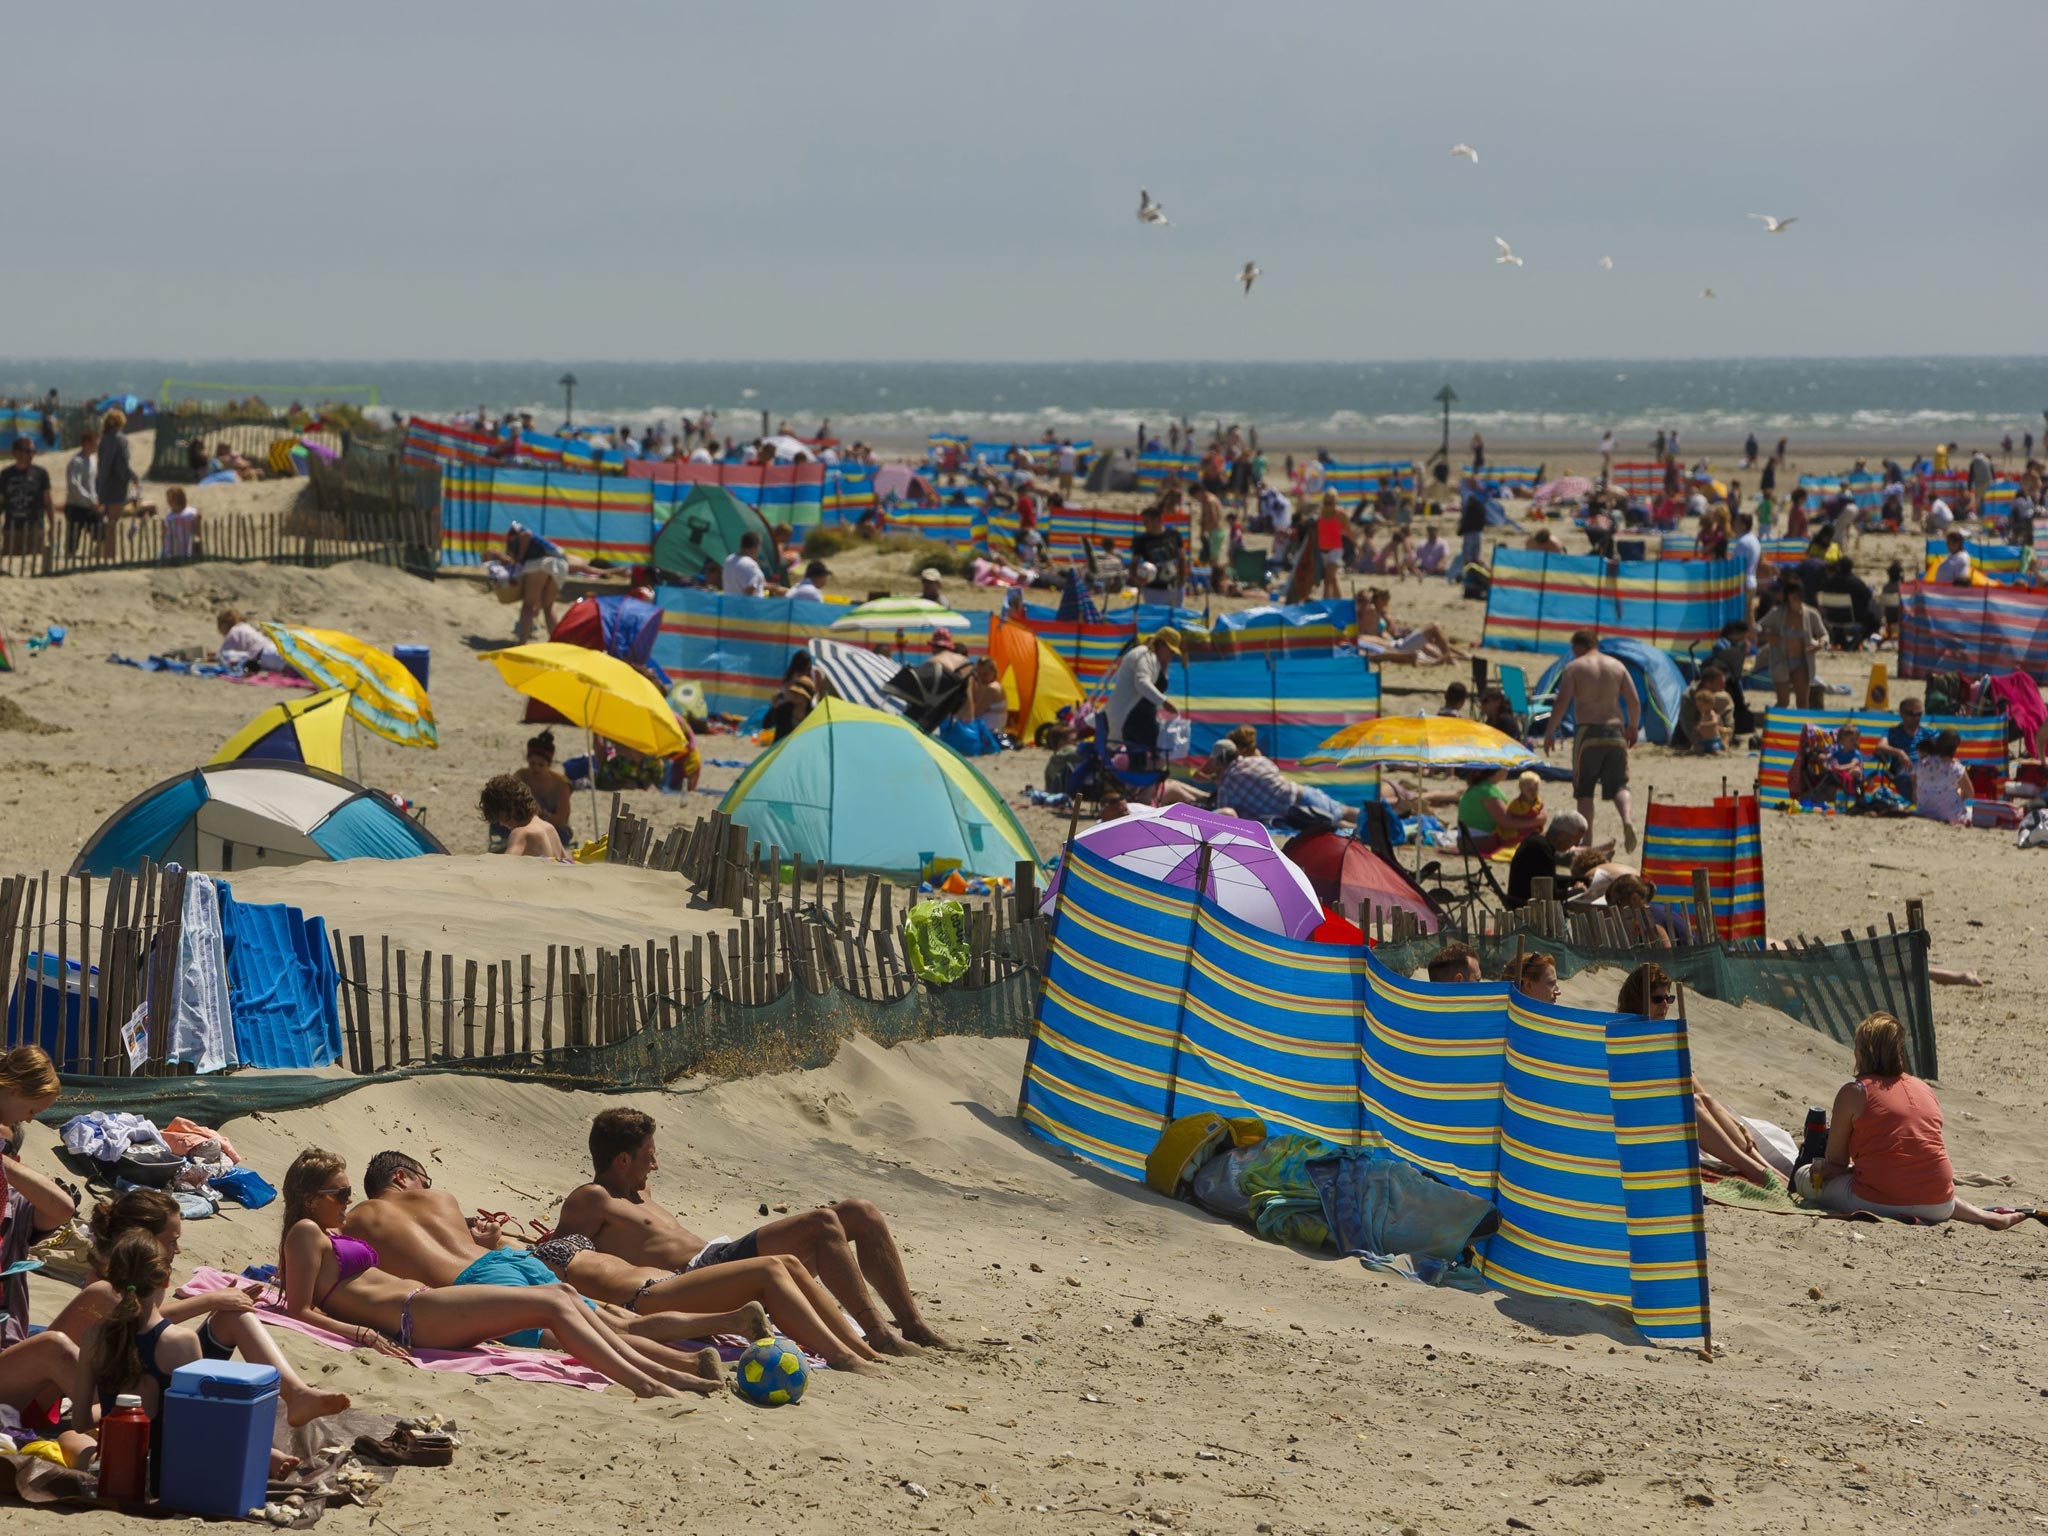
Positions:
{"x": 281, "y": 984}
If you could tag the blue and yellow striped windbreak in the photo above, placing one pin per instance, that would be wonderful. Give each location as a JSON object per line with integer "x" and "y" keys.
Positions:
{"x": 382, "y": 695}
{"x": 1538, "y": 600}
{"x": 1578, "y": 1126}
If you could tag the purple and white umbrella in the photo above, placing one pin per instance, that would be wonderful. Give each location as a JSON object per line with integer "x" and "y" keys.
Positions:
{"x": 1248, "y": 876}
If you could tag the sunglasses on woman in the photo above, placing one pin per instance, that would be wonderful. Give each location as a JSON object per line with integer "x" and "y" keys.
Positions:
{"x": 1664, "y": 999}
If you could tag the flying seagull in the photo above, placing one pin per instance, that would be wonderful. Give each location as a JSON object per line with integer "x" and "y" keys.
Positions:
{"x": 1606, "y": 263}
{"x": 1507, "y": 256}
{"x": 1706, "y": 293}
{"x": 1773, "y": 226}
{"x": 1150, "y": 212}
{"x": 1249, "y": 275}
{"x": 1467, "y": 151}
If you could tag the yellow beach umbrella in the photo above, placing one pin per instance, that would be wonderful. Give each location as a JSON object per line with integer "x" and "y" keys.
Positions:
{"x": 596, "y": 691}
{"x": 305, "y": 730}
{"x": 1418, "y": 740}
{"x": 383, "y": 696}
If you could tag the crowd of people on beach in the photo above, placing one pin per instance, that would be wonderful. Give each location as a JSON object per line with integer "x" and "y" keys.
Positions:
{"x": 618, "y": 1282}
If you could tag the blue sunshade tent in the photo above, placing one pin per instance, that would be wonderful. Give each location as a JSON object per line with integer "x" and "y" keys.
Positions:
{"x": 251, "y": 814}
{"x": 1659, "y": 684}
{"x": 855, "y": 787}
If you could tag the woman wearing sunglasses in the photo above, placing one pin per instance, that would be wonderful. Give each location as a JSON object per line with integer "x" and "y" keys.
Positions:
{"x": 1652, "y": 994}
{"x": 332, "y": 1281}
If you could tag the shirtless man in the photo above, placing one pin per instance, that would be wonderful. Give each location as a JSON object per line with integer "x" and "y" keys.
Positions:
{"x": 419, "y": 1233}
{"x": 615, "y": 1214}
{"x": 508, "y": 803}
{"x": 1602, "y": 696}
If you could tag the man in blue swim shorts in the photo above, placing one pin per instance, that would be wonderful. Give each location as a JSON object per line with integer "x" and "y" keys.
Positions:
{"x": 420, "y": 1234}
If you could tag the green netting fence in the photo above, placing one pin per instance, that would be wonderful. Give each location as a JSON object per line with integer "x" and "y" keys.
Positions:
{"x": 1828, "y": 987}
{"x": 798, "y": 1030}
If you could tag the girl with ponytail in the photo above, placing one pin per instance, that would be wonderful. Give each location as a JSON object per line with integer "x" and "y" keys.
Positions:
{"x": 133, "y": 1349}
{"x": 226, "y": 1319}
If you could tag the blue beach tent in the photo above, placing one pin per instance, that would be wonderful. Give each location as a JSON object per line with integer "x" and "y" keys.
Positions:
{"x": 1659, "y": 684}
{"x": 870, "y": 791}
{"x": 250, "y": 814}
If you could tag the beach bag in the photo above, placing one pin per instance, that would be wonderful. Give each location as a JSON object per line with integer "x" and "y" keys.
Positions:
{"x": 935, "y": 941}
{"x": 2033, "y": 829}
{"x": 1176, "y": 737}
{"x": 1945, "y": 693}
{"x": 148, "y": 1163}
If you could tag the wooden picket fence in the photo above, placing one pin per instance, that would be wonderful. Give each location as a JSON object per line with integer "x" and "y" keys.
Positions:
{"x": 303, "y": 536}
{"x": 122, "y": 932}
{"x": 801, "y": 927}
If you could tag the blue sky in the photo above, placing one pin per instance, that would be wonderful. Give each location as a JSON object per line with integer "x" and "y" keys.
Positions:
{"x": 896, "y": 180}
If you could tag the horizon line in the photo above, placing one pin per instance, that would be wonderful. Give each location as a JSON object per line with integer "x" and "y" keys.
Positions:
{"x": 1069, "y": 362}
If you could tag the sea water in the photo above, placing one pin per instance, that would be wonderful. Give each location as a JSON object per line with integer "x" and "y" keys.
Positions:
{"x": 1903, "y": 402}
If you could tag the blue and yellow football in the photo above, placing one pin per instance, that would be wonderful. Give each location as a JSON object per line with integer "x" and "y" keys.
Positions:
{"x": 772, "y": 1372}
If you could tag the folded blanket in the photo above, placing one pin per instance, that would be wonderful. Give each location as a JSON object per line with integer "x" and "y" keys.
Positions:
{"x": 483, "y": 1360}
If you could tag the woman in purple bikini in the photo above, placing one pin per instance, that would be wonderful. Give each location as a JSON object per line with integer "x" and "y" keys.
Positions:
{"x": 332, "y": 1281}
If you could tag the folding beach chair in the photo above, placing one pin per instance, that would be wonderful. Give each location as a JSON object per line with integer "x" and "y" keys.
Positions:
{"x": 1838, "y": 613}
{"x": 1094, "y": 772}
{"x": 1375, "y": 829}
{"x": 1514, "y": 687}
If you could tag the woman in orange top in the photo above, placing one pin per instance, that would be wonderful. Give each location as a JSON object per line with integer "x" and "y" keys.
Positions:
{"x": 1885, "y": 1149}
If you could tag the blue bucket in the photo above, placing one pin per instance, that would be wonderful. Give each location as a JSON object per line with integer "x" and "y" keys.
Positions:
{"x": 416, "y": 659}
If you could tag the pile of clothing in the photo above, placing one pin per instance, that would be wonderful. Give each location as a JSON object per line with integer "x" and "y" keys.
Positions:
{"x": 193, "y": 1163}
{"x": 1364, "y": 1202}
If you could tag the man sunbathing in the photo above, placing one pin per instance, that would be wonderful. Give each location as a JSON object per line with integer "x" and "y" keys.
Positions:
{"x": 847, "y": 1246}
{"x": 419, "y": 1233}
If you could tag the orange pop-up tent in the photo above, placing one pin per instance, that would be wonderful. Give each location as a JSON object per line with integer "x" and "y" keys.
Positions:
{"x": 1036, "y": 684}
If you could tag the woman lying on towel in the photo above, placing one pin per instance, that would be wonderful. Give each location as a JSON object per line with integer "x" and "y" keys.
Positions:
{"x": 1650, "y": 993}
{"x": 1885, "y": 1151}
{"x": 227, "y": 1324}
{"x": 1380, "y": 637}
{"x": 332, "y": 1281}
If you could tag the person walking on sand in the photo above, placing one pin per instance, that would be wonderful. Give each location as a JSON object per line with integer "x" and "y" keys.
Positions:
{"x": 1602, "y": 697}
{"x": 848, "y": 1246}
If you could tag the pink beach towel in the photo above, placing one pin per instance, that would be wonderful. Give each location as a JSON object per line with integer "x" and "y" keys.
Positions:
{"x": 484, "y": 1360}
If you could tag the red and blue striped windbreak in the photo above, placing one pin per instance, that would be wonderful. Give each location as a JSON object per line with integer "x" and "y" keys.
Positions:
{"x": 1726, "y": 840}
{"x": 441, "y": 442}
{"x": 1577, "y": 1125}
{"x": 1972, "y": 629}
{"x": 1294, "y": 702}
{"x": 1638, "y": 480}
{"x": 1539, "y": 600}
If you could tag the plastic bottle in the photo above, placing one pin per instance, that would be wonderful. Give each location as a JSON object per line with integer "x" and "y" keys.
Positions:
{"x": 1813, "y": 1143}
{"x": 124, "y": 1452}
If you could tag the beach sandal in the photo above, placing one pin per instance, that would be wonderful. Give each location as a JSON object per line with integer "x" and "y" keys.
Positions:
{"x": 407, "y": 1447}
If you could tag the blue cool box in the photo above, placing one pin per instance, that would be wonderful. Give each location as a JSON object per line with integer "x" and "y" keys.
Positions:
{"x": 218, "y": 1418}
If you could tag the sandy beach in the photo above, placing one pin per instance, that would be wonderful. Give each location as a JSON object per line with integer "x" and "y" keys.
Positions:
{"x": 1131, "y": 1364}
